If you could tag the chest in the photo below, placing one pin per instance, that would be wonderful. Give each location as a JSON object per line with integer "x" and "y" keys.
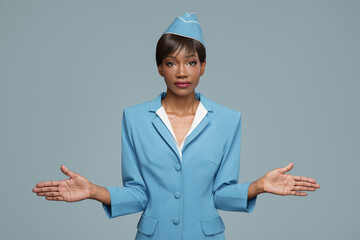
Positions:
{"x": 156, "y": 150}
{"x": 181, "y": 125}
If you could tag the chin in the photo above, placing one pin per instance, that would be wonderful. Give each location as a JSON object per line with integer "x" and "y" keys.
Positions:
{"x": 182, "y": 92}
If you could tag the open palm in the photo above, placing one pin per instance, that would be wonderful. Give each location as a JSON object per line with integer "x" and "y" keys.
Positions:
{"x": 278, "y": 182}
{"x": 74, "y": 189}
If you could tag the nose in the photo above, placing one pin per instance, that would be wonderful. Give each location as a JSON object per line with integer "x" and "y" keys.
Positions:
{"x": 181, "y": 71}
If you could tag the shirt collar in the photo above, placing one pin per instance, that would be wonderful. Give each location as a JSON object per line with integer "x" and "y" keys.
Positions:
{"x": 156, "y": 103}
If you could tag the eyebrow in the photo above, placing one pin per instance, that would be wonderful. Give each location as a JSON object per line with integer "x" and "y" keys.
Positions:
{"x": 187, "y": 56}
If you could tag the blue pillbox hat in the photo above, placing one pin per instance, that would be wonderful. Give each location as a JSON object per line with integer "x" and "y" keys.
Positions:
{"x": 187, "y": 26}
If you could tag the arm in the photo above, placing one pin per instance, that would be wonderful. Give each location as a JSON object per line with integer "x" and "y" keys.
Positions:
{"x": 133, "y": 197}
{"x": 116, "y": 201}
{"x": 230, "y": 195}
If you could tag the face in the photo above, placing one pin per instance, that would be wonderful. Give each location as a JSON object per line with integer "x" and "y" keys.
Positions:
{"x": 181, "y": 72}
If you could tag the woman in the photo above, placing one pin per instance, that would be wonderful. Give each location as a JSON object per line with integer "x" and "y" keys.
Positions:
{"x": 180, "y": 154}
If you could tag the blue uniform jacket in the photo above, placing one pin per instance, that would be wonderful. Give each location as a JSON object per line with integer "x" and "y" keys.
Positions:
{"x": 179, "y": 199}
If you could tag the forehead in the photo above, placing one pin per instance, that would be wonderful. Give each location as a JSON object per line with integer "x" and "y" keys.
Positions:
{"x": 183, "y": 53}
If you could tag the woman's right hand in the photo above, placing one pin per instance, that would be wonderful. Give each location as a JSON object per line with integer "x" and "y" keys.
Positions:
{"x": 76, "y": 188}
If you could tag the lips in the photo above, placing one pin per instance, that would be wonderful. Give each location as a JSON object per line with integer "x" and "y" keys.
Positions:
{"x": 183, "y": 84}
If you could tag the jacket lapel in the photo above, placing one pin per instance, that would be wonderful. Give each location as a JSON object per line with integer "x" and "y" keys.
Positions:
{"x": 160, "y": 126}
{"x": 165, "y": 134}
{"x": 164, "y": 131}
{"x": 199, "y": 128}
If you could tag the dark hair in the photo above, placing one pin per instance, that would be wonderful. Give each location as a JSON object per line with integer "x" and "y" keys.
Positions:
{"x": 169, "y": 43}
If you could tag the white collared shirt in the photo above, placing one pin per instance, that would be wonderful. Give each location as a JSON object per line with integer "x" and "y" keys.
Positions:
{"x": 199, "y": 115}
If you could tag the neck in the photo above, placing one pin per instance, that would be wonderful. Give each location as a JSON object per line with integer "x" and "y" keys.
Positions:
{"x": 180, "y": 105}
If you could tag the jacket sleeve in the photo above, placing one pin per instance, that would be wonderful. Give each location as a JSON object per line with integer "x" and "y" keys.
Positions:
{"x": 229, "y": 195}
{"x": 132, "y": 197}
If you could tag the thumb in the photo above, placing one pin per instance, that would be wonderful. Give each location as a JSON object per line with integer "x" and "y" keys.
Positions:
{"x": 287, "y": 168}
{"x": 67, "y": 172}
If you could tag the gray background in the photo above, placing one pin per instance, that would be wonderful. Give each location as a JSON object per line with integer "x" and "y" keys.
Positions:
{"x": 68, "y": 68}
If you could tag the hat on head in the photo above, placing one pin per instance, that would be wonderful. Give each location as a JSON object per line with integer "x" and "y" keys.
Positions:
{"x": 187, "y": 26}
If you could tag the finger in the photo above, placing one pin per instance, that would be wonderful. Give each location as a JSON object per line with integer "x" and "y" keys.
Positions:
{"x": 287, "y": 168}
{"x": 45, "y": 189}
{"x": 67, "y": 172}
{"x": 299, "y": 188}
{"x": 48, "y": 194}
{"x": 295, "y": 193}
{"x": 48, "y": 184}
{"x": 307, "y": 184}
{"x": 304, "y": 179}
{"x": 54, "y": 198}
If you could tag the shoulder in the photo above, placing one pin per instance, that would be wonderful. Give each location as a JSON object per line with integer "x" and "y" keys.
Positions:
{"x": 223, "y": 113}
{"x": 224, "y": 110}
{"x": 137, "y": 110}
{"x": 137, "y": 116}
{"x": 144, "y": 108}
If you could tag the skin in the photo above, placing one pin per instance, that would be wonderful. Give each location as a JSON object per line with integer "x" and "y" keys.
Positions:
{"x": 180, "y": 105}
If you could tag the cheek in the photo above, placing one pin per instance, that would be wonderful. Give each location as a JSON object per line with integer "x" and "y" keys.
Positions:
{"x": 168, "y": 71}
{"x": 195, "y": 71}
{"x": 167, "y": 74}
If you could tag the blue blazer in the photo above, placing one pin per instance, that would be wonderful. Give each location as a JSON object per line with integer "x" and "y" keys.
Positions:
{"x": 179, "y": 199}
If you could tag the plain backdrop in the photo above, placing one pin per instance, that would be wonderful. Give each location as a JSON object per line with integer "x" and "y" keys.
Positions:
{"x": 68, "y": 68}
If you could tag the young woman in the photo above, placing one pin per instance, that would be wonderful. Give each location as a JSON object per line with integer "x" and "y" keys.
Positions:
{"x": 180, "y": 154}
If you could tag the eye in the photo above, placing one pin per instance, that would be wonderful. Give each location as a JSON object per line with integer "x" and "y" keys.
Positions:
{"x": 169, "y": 64}
{"x": 192, "y": 63}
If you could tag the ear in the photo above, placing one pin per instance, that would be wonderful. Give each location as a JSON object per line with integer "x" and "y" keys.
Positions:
{"x": 160, "y": 70}
{"x": 202, "y": 68}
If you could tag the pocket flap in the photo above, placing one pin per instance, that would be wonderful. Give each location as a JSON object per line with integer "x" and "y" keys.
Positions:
{"x": 147, "y": 225}
{"x": 212, "y": 226}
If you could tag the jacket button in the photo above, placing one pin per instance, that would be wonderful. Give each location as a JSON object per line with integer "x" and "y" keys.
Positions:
{"x": 177, "y": 195}
{"x": 178, "y": 167}
{"x": 176, "y": 221}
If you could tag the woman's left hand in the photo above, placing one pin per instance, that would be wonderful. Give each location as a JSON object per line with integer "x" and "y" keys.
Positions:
{"x": 280, "y": 183}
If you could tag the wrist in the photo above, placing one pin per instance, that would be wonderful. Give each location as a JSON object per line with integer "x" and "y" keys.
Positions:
{"x": 259, "y": 185}
{"x": 93, "y": 191}
{"x": 100, "y": 194}
{"x": 256, "y": 188}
